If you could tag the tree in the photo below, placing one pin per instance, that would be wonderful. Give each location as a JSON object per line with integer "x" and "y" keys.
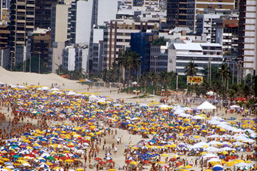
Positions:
{"x": 34, "y": 65}
{"x": 191, "y": 69}
{"x": 130, "y": 61}
{"x": 165, "y": 78}
{"x": 160, "y": 41}
{"x": 224, "y": 73}
{"x": 152, "y": 77}
{"x": 111, "y": 75}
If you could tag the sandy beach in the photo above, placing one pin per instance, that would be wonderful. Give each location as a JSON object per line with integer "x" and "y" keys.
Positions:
{"x": 19, "y": 78}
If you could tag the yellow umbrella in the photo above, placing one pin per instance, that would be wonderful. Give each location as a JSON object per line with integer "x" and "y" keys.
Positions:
{"x": 164, "y": 155}
{"x": 135, "y": 148}
{"x": 79, "y": 169}
{"x": 224, "y": 152}
{"x": 56, "y": 168}
{"x": 202, "y": 153}
{"x": 49, "y": 163}
{"x": 5, "y": 159}
{"x": 188, "y": 166}
{"x": 112, "y": 170}
{"x": 248, "y": 161}
{"x": 133, "y": 163}
{"x": 230, "y": 163}
{"x": 69, "y": 160}
{"x": 161, "y": 162}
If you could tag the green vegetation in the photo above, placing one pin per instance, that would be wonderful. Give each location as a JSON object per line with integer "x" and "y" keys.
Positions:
{"x": 160, "y": 41}
{"x": 34, "y": 66}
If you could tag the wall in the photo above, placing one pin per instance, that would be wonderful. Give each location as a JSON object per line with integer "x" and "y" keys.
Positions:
{"x": 83, "y": 21}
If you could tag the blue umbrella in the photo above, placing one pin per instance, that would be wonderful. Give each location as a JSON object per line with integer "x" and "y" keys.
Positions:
{"x": 217, "y": 167}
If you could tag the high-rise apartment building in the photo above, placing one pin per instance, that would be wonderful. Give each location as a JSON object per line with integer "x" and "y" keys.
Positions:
{"x": 247, "y": 47}
{"x": 22, "y": 21}
{"x": 183, "y": 12}
{"x": 117, "y": 37}
{"x": 43, "y": 11}
{"x": 176, "y": 13}
{"x": 59, "y": 35}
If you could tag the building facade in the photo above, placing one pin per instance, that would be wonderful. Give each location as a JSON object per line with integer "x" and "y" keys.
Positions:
{"x": 247, "y": 36}
{"x": 184, "y": 12}
{"x": 22, "y": 21}
{"x": 202, "y": 54}
{"x": 43, "y": 10}
{"x": 141, "y": 43}
{"x": 117, "y": 37}
{"x": 59, "y": 35}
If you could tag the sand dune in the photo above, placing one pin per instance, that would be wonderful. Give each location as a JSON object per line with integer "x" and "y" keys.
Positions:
{"x": 9, "y": 77}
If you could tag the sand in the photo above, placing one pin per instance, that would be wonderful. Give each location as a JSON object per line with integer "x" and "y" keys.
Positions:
{"x": 49, "y": 79}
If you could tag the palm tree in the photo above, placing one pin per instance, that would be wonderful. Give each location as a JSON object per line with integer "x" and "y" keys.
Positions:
{"x": 165, "y": 78}
{"x": 224, "y": 73}
{"x": 191, "y": 69}
{"x": 152, "y": 77}
{"x": 130, "y": 61}
{"x": 134, "y": 62}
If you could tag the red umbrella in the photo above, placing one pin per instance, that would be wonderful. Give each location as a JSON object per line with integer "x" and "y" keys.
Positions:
{"x": 101, "y": 162}
{"x": 98, "y": 159}
{"x": 173, "y": 159}
{"x": 146, "y": 162}
{"x": 31, "y": 155}
{"x": 128, "y": 161}
{"x": 109, "y": 161}
{"x": 12, "y": 153}
{"x": 242, "y": 99}
{"x": 179, "y": 164}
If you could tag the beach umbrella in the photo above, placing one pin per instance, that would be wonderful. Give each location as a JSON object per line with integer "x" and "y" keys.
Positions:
{"x": 133, "y": 163}
{"x": 98, "y": 159}
{"x": 102, "y": 162}
{"x": 146, "y": 162}
{"x": 217, "y": 167}
{"x": 230, "y": 163}
{"x": 173, "y": 159}
{"x": 188, "y": 166}
{"x": 128, "y": 161}
{"x": 164, "y": 155}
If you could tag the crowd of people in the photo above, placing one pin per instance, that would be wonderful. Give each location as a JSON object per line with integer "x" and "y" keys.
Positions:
{"x": 44, "y": 129}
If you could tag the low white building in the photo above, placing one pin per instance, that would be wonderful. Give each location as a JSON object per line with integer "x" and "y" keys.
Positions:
{"x": 75, "y": 57}
{"x": 202, "y": 54}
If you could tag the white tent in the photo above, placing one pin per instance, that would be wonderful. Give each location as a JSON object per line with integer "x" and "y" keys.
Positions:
{"x": 206, "y": 105}
{"x": 71, "y": 93}
{"x": 45, "y": 88}
{"x": 234, "y": 106}
{"x": 93, "y": 98}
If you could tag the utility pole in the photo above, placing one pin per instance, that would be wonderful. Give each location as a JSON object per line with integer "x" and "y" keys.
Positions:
{"x": 177, "y": 82}
{"x": 12, "y": 54}
{"x": 155, "y": 63}
{"x": 210, "y": 73}
{"x": 30, "y": 62}
{"x": 39, "y": 62}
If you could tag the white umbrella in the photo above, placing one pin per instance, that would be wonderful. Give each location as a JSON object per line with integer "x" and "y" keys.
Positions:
{"x": 45, "y": 88}
{"x": 92, "y": 98}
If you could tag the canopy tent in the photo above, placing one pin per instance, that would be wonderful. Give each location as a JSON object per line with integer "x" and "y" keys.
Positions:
{"x": 234, "y": 106}
{"x": 93, "y": 98}
{"x": 206, "y": 105}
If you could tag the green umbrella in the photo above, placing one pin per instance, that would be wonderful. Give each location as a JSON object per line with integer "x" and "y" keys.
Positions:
{"x": 16, "y": 156}
{"x": 50, "y": 158}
